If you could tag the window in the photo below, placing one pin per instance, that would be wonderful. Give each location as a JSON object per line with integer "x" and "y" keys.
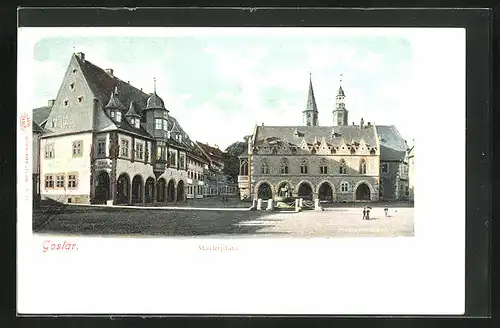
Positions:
{"x": 344, "y": 186}
{"x": 74, "y": 71}
{"x": 275, "y": 151}
{"x": 118, "y": 116}
{"x": 333, "y": 150}
{"x": 160, "y": 152}
{"x": 101, "y": 147}
{"x": 124, "y": 148}
{"x": 244, "y": 168}
{"x": 303, "y": 166}
{"x": 72, "y": 86}
{"x": 66, "y": 103}
{"x": 172, "y": 158}
{"x": 49, "y": 181}
{"x": 65, "y": 121}
{"x": 372, "y": 151}
{"x": 284, "y": 166}
{"x": 385, "y": 167}
{"x": 140, "y": 151}
{"x": 165, "y": 125}
{"x": 323, "y": 166}
{"x": 112, "y": 114}
{"x": 264, "y": 168}
{"x": 343, "y": 167}
{"x": 353, "y": 150}
{"x": 158, "y": 124}
{"x": 60, "y": 180}
{"x": 182, "y": 160}
{"x": 362, "y": 166}
{"x": 49, "y": 151}
{"x": 72, "y": 181}
{"x": 313, "y": 151}
{"x": 77, "y": 148}
{"x": 294, "y": 151}
{"x": 80, "y": 99}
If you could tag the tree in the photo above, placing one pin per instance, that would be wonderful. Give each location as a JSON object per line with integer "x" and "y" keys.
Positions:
{"x": 231, "y": 160}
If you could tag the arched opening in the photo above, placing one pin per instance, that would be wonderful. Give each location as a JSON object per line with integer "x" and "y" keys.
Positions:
{"x": 102, "y": 193}
{"x": 137, "y": 189}
{"x": 265, "y": 192}
{"x": 284, "y": 190}
{"x": 362, "y": 166}
{"x": 363, "y": 192}
{"x": 305, "y": 191}
{"x": 171, "y": 191}
{"x": 123, "y": 189}
{"x": 148, "y": 192}
{"x": 160, "y": 190}
{"x": 180, "y": 191}
{"x": 325, "y": 192}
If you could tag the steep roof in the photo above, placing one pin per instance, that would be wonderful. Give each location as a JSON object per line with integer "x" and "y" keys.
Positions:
{"x": 40, "y": 114}
{"x": 213, "y": 152}
{"x": 392, "y": 145}
{"x": 295, "y": 134}
{"x": 341, "y": 92}
{"x": 311, "y": 101}
{"x": 36, "y": 128}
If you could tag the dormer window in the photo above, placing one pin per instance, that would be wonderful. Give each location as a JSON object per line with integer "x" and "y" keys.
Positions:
{"x": 66, "y": 103}
{"x": 118, "y": 116}
{"x": 74, "y": 71}
{"x": 137, "y": 123}
{"x": 80, "y": 99}
{"x": 72, "y": 86}
{"x": 113, "y": 114}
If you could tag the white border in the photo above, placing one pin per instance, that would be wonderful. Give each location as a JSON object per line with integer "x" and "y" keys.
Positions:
{"x": 420, "y": 275}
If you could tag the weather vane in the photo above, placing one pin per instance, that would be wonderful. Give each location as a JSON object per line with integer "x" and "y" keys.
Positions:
{"x": 340, "y": 78}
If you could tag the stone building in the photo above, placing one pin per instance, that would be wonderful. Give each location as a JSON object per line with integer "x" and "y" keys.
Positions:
{"x": 37, "y": 133}
{"x": 337, "y": 163}
{"x": 217, "y": 183}
{"x": 393, "y": 164}
{"x": 105, "y": 141}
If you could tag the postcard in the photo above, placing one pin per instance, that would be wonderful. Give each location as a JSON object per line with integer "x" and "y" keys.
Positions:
{"x": 241, "y": 170}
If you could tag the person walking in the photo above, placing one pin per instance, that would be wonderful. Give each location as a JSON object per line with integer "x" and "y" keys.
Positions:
{"x": 386, "y": 209}
{"x": 368, "y": 212}
{"x": 364, "y": 212}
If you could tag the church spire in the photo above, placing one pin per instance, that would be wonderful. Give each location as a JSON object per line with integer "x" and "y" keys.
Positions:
{"x": 340, "y": 114}
{"x": 311, "y": 111}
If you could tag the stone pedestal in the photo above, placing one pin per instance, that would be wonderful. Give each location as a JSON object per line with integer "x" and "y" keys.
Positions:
{"x": 301, "y": 201}
{"x": 109, "y": 202}
{"x": 269, "y": 205}
{"x": 259, "y": 204}
{"x": 297, "y": 205}
{"x": 317, "y": 207}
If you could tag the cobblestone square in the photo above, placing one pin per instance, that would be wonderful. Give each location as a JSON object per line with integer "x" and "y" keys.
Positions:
{"x": 223, "y": 222}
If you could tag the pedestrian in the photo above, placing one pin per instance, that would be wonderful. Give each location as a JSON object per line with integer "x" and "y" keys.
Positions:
{"x": 364, "y": 212}
{"x": 386, "y": 209}
{"x": 368, "y": 213}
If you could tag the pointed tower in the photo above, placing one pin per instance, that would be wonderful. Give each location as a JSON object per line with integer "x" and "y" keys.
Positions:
{"x": 311, "y": 111}
{"x": 114, "y": 107}
{"x": 132, "y": 117}
{"x": 340, "y": 114}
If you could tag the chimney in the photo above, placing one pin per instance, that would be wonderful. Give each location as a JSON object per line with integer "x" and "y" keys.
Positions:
{"x": 81, "y": 55}
{"x": 362, "y": 123}
{"x": 51, "y": 102}
{"x": 262, "y": 123}
{"x": 109, "y": 71}
{"x": 352, "y": 123}
{"x": 369, "y": 124}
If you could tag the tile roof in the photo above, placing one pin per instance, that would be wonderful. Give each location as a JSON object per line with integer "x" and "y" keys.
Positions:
{"x": 214, "y": 153}
{"x": 103, "y": 85}
{"x": 392, "y": 145}
{"x": 40, "y": 114}
{"x": 311, "y": 134}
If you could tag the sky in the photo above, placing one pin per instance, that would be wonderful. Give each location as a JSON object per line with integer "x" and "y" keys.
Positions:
{"x": 220, "y": 85}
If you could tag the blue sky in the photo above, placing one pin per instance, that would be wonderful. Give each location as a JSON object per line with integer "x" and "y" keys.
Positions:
{"x": 220, "y": 86}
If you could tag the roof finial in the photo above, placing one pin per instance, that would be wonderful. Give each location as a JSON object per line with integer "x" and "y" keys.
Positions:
{"x": 154, "y": 81}
{"x": 340, "y": 78}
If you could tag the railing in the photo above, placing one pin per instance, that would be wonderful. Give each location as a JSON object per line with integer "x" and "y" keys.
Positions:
{"x": 242, "y": 178}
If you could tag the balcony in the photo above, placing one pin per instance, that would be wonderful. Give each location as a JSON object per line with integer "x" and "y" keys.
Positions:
{"x": 242, "y": 178}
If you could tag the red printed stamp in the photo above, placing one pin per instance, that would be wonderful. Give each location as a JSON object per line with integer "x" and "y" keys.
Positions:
{"x": 25, "y": 121}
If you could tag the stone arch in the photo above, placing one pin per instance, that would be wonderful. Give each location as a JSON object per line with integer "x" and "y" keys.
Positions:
{"x": 280, "y": 185}
{"x": 102, "y": 187}
{"x": 171, "y": 190}
{"x": 161, "y": 187}
{"x": 123, "y": 188}
{"x": 258, "y": 184}
{"x": 149, "y": 188}
{"x": 359, "y": 184}
{"x": 137, "y": 189}
{"x": 325, "y": 181}
{"x": 305, "y": 192}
